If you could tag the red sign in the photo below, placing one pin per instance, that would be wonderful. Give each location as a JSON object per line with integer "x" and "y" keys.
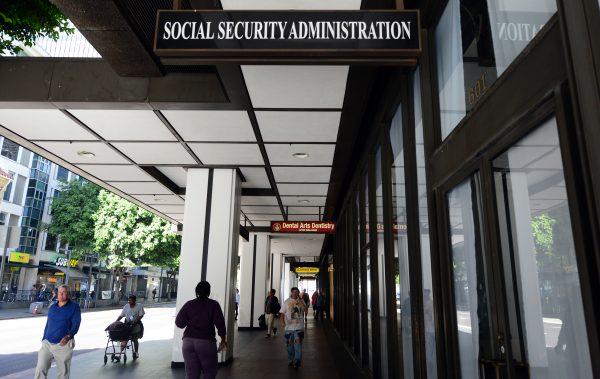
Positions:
{"x": 302, "y": 227}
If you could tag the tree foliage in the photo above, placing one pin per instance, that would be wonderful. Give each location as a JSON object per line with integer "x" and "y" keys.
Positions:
{"x": 27, "y": 20}
{"x": 73, "y": 215}
{"x": 127, "y": 235}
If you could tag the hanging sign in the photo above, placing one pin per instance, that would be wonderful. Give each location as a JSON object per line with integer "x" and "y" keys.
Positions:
{"x": 18, "y": 257}
{"x": 302, "y": 227}
{"x": 259, "y": 36}
{"x": 307, "y": 270}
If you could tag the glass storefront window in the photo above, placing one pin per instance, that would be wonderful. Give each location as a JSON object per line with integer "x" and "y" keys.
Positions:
{"x": 468, "y": 278}
{"x": 399, "y": 229}
{"x": 475, "y": 42}
{"x": 367, "y": 253}
{"x": 543, "y": 290}
{"x": 429, "y": 321}
{"x": 381, "y": 282}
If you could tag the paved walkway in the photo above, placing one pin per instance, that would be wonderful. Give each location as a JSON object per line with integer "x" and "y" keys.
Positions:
{"x": 255, "y": 357}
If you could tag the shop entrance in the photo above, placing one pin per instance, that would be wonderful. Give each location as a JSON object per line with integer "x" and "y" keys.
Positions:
{"x": 511, "y": 255}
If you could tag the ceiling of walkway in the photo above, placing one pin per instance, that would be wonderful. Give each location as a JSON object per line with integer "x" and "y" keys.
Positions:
{"x": 282, "y": 136}
{"x": 298, "y": 246}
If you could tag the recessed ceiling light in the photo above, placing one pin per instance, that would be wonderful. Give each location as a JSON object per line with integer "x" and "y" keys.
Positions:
{"x": 304, "y": 201}
{"x": 300, "y": 155}
{"x": 158, "y": 199}
{"x": 87, "y": 154}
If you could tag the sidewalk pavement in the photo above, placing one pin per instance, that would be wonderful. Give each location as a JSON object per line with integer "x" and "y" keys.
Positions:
{"x": 9, "y": 314}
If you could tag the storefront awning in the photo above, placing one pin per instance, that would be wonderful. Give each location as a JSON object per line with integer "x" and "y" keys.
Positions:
{"x": 25, "y": 265}
{"x": 73, "y": 273}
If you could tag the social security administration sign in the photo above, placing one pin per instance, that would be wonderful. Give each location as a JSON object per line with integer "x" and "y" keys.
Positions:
{"x": 294, "y": 35}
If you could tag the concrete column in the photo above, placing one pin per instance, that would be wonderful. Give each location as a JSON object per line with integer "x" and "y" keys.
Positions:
{"x": 276, "y": 274}
{"x": 209, "y": 245}
{"x": 255, "y": 279}
{"x": 287, "y": 283}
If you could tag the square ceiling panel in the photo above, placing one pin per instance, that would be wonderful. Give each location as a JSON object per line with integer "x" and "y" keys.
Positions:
{"x": 141, "y": 188}
{"x": 265, "y": 217}
{"x": 43, "y": 124}
{"x": 296, "y": 86}
{"x": 303, "y": 189}
{"x": 153, "y": 153}
{"x": 303, "y": 210}
{"x": 291, "y": 4}
{"x": 169, "y": 208}
{"x": 263, "y": 223}
{"x": 160, "y": 199}
{"x": 303, "y": 200}
{"x": 125, "y": 125}
{"x": 300, "y": 154}
{"x": 79, "y": 152}
{"x": 252, "y": 209}
{"x": 302, "y": 174}
{"x": 259, "y": 200}
{"x": 303, "y": 217}
{"x": 212, "y": 125}
{"x": 178, "y": 175}
{"x": 234, "y": 154}
{"x": 256, "y": 177}
{"x": 292, "y": 126}
{"x": 117, "y": 172}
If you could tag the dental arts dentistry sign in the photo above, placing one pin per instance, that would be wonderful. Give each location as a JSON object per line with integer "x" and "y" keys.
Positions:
{"x": 259, "y": 36}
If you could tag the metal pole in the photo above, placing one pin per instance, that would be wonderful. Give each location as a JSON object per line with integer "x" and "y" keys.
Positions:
{"x": 160, "y": 283}
{"x": 8, "y": 231}
{"x": 68, "y": 265}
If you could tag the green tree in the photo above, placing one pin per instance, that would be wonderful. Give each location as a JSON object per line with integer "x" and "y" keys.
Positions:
{"x": 27, "y": 20}
{"x": 73, "y": 216}
{"x": 128, "y": 236}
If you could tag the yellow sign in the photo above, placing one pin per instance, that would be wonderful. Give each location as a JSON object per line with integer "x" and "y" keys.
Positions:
{"x": 307, "y": 270}
{"x": 15, "y": 256}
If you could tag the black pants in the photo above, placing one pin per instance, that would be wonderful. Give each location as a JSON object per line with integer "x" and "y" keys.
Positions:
{"x": 318, "y": 312}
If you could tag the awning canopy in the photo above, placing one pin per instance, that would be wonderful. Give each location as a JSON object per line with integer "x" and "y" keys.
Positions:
{"x": 73, "y": 273}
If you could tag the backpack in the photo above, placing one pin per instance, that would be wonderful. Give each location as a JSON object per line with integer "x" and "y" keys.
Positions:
{"x": 262, "y": 323}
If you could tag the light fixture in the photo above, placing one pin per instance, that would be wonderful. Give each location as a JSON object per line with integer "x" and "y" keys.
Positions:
{"x": 304, "y": 201}
{"x": 157, "y": 199}
{"x": 300, "y": 155}
{"x": 87, "y": 154}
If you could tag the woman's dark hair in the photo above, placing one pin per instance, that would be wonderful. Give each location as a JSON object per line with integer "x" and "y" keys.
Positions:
{"x": 133, "y": 297}
{"x": 203, "y": 290}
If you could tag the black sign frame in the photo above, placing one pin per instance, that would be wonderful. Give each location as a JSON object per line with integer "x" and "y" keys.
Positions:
{"x": 332, "y": 55}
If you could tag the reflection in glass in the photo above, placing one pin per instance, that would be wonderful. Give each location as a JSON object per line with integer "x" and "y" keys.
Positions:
{"x": 399, "y": 229}
{"x": 429, "y": 324}
{"x": 358, "y": 298}
{"x": 538, "y": 254}
{"x": 367, "y": 253}
{"x": 475, "y": 42}
{"x": 468, "y": 278}
{"x": 383, "y": 333}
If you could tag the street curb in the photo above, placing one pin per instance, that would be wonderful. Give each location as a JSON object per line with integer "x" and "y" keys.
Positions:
{"x": 89, "y": 310}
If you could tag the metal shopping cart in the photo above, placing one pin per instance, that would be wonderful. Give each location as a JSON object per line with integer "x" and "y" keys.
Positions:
{"x": 118, "y": 332}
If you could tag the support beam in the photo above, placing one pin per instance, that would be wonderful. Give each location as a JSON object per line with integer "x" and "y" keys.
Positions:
{"x": 92, "y": 84}
{"x": 102, "y": 23}
{"x": 255, "y": 260}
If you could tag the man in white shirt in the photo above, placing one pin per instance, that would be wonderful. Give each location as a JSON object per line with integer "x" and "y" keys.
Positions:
{"x": 292, "y": 318}
{"x": 133, "y": 313}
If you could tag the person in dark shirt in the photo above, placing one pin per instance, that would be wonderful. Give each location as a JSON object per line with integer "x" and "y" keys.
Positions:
{"x": 272, "y": 308}
{"x": 64, "y": 317}
{"x": 199, "y": 317}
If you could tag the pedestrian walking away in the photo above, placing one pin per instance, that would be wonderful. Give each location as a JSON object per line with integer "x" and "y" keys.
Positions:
{"x": 272, "y": 308}
{"x": 154, "y": 293}
{"x": 304, "y": 296}
{"x": 313, "y": 302}
{"x": 292, "y": 319}
{"x": 58, "y": 342}
{"x": 319, "y": 301}
{"x": 200, "y": 317}
{"x": 133, "y": 313}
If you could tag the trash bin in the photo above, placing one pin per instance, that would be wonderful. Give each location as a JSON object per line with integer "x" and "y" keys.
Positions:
{"x": 36, "y": 307}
